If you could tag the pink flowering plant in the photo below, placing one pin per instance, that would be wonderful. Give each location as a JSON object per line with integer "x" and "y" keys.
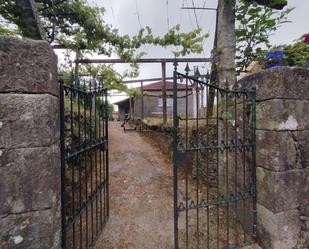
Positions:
{"x": 306, "y": 39}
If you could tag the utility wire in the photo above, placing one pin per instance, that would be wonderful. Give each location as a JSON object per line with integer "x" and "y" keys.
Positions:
{"x": 198, "y": 21}
{"x": 198, "y": 26}
{"x": 138, "y": 15}
{"x": 139, "y": 18}
{"x": 181, "y": 12}
{"x": 189, "y": 15}
{"x": 201, "y": 15}
{"x": 110, "y": 2}
{"x": 100, "y": 14}
{"x": 167, "y": 15}
{"x": 195, "y": 15}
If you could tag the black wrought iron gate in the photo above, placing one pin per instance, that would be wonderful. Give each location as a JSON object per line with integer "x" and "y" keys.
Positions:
{"x": 84, "y": 162}
{"x": 214, "y": 165}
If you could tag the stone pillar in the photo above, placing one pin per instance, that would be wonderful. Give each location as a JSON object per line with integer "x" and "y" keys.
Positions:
{"x": 282, "y": 157}
{"x": 30, "y": 214}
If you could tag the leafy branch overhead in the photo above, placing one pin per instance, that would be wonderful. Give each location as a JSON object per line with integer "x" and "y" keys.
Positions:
{"x": 103, "y": 73}
{"x": 255, "y": 24}
{"x": 79, "y": 26}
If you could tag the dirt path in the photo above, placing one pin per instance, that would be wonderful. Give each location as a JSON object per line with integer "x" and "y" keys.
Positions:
{"x": 141, "y": 213}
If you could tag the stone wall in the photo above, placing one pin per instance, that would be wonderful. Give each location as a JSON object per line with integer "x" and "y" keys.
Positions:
{"x": 29, "y": 146}
{"x": 282, "y": 157}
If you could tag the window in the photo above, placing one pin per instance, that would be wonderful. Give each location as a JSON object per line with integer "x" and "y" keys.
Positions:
{"x": 169, "y": 102}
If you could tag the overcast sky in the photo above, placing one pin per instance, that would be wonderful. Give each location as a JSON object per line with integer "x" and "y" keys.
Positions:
{"x": 130, "y": 15}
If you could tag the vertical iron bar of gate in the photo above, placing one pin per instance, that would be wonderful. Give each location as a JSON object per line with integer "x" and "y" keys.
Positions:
{"x": 197, "y": 142}
{"x": 244, "y": 99}
{"x": 101, "y": 117}
{"x": 207, "y": 163}
{"x": 103, "y": 153}
{"x": 107, "y": 166}
{"x": 79, "y": 100}
{"x": 62, "y": 153}
{"x": 86, "y": 164}
{"x": 73, "y": 164}
{"x": 217, "y": 162}
{"x": 197, "y": 162}
{"x": 187, "y": 69}
{"x": 254, "y": 193}
{"x": 175, "y": 141}
{"x": 96, "y": 156}
{"x": 235, "y": 162}
{"x": 91, "y": 161}
{"x": 226, "y": 139}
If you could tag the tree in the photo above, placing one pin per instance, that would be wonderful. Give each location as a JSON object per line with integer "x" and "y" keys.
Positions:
{"x": 81, "y": 27}
{"x": 254, "y": 26}
{"x": 256, "y": 23}
{"x": 226, "y": 41}
{"x": 23, "y": 13}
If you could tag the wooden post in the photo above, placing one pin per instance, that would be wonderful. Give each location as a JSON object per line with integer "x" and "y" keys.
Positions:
{"x": 142, "y": 100}
{"x": 164, "y": 109}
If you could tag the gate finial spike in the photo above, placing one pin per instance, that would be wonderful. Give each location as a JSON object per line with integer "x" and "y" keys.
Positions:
{"x": 187, "y": 69}
{"x": 207, "y": 75}
{"x": 175, "y": 64}
{"x": 197, "y": 73}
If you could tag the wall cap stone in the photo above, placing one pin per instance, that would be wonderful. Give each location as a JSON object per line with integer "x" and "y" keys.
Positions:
{"x": 27, "y": 66}
{"x": 279, "y": 82}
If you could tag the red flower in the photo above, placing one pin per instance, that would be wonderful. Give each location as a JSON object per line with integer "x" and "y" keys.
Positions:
{"x": 306, "y": 38}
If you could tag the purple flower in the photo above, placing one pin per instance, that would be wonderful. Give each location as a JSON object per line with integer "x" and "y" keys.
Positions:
{"x": 270, "y": 65}
{"x": 215, "y": 59}
{"x": 278, "y": 55}
{"x": 212, "y": 52}
{"x": 270, "y": 54}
